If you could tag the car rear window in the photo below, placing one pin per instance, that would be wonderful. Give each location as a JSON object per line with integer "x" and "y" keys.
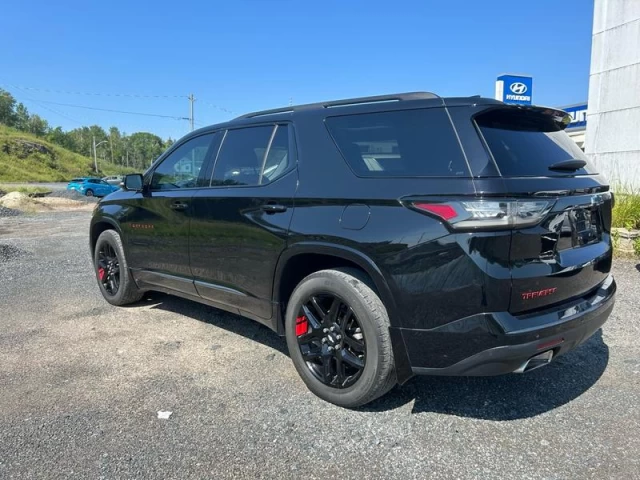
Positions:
{"x": 402, "y": 143}
{"x": 76, "y": 180}
{"x": 526, "y": 143}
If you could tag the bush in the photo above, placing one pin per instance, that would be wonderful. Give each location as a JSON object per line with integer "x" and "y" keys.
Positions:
{"x": 626, "y": 211}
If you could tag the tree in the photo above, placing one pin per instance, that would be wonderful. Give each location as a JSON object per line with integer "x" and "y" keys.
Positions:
{"x": 21, "y": 117}
{"x": 37, "y": 125}
{"x": 82, "y": 141}
{"x": 59, "y": 137}
{"x": 145, "y": 148}
{"x": 115, "y": 144}
{"x": 7, "y": 104}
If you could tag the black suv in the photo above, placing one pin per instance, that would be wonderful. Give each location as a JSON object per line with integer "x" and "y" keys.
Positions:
{"x": 383, "y": 236}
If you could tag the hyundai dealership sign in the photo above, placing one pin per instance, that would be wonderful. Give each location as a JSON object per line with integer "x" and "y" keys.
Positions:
{"x": 516, "y": 89}
{"x": 578, "y": 115}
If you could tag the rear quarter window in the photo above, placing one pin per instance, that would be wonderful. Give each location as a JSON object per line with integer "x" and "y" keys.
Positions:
{"x": 402, "y": 143}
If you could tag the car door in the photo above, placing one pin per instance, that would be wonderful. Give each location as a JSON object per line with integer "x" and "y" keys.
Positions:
{"x": 93, "y": 185}
{"x": 241, "y": 221}
{"x": 102, "y": 188}
{"x": 156, "y": 225}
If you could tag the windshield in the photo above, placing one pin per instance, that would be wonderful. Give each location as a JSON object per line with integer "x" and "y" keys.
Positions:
{"x": 525, "y": 143}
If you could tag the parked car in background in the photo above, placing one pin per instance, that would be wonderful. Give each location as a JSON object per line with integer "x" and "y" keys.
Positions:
{"x": 91, "y": 187}
{"x": 384, "y": 237}
{"x": 113, "y": 180}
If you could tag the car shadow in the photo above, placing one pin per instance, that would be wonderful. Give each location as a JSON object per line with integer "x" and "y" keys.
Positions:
{"x": 500, "y": 398}
{"x": 228, "y": 321}
{"x": 505, "y": 397}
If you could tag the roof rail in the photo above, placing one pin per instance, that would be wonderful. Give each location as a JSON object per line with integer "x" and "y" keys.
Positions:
{"x": 396, "y": 97}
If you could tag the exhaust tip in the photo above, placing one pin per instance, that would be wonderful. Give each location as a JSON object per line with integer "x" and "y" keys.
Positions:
{"x": 536, "y": 361}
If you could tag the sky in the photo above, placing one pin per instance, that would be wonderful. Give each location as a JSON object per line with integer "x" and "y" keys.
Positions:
{"x": 245, "y": 55}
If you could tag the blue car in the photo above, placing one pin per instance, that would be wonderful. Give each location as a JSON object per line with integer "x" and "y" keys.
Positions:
{"x": 91, "y": 187}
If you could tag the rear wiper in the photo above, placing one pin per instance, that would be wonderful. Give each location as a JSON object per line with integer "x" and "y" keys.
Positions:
{"x": 569, "y": 165}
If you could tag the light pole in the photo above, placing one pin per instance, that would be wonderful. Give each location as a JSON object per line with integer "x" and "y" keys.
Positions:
{"x": 95, "y": 155}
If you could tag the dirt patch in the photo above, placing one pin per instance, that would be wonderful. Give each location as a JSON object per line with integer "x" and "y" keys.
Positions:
{"x": 15, "y": 200}
{"x": 73, "y": 195}
{"x": 20, "y": 201}
{"x": 61, "y": 203}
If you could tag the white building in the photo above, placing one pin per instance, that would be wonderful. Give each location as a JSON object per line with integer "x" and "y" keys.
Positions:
{"x": 613, "y": 127}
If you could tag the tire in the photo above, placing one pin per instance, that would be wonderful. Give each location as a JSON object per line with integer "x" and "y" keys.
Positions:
{"x": 127, "y": 291}
{"x": 89, "y": 193}
{"x": 355, "y": 290}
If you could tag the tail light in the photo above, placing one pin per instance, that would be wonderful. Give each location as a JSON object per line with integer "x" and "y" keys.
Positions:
{"x": 479, "y": 214}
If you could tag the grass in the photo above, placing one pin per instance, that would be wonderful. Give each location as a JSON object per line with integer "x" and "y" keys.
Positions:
{"x": 26, "y": 158}
{"x": 626, "y": 214}
{"x": 626, "y": 211}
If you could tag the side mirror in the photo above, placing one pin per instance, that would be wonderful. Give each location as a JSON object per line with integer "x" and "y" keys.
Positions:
{"x": 132, "y": 182}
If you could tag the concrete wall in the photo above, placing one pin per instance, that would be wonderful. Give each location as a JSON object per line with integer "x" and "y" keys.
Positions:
{"x": 613, "y": 121}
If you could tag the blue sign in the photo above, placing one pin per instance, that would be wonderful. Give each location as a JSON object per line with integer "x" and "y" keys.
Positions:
{"x": 516, "y": 89}
{"x": 578, "y": 115}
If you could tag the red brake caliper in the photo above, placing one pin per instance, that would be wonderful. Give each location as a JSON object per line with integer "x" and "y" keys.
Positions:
{"x": 101, "y": 273}
{"x": 302, "y": 325}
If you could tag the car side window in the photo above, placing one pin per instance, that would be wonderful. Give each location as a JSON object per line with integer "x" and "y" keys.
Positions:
{"x": 180, "y": 169}
{"x": 277, "y": 160}
{"x": 241, "y": 156}
{"x": 252, "y": 156}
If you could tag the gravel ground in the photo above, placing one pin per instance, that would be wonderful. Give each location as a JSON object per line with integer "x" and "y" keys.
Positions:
{"x": 73, "y": 195}
{"x": 9, "y": 212}
{"x": 81, "y": 384}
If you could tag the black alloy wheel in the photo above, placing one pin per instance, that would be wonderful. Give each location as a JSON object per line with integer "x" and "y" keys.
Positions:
{"x": 108, "y": 269}
{"x": 89, "y": 193}
{"x": 331, "y": 340}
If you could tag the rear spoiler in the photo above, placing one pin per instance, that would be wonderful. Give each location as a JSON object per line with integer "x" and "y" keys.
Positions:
{"x": 559, "y": 117}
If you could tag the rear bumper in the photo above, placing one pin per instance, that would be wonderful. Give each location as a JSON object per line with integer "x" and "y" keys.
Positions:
{"x": 498, "y": 343}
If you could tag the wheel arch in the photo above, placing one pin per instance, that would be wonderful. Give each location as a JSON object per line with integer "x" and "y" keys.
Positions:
{"x": 97, "y": 227}
{"x": 329, "y": 255}
{"x": 304, "y": 258}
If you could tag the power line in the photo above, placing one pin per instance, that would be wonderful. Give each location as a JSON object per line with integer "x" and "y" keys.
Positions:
{"x": 218, "y": 107}
{"x": 54, "y": 111}
{"x": 114, "y": 111}
{"x": 31, "y": 100}
{"x": 132, "y": 95}
{"x": 190, "y": 97}
{"x": 67, "y": 92}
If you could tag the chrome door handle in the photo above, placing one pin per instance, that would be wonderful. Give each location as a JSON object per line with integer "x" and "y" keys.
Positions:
{"x": 273, "y": 208}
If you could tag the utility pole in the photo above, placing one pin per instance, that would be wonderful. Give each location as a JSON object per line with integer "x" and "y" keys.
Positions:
{"x": 191, "y": 100}
{"x": 95, "y": 154}
{"x": 111, "y": 146}
{"x": 95, "y": 157}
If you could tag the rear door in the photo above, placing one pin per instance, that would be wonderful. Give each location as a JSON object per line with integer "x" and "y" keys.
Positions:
{"x": 102, "y": 188}
{"x": 241, "y": 220}
{"x": 567, "y": 254}
{"x": 156, "y": 225}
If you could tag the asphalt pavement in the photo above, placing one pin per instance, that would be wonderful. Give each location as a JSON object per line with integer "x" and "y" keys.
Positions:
{"x": 82, "y": 382}
{"x": 53, "y": 186}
